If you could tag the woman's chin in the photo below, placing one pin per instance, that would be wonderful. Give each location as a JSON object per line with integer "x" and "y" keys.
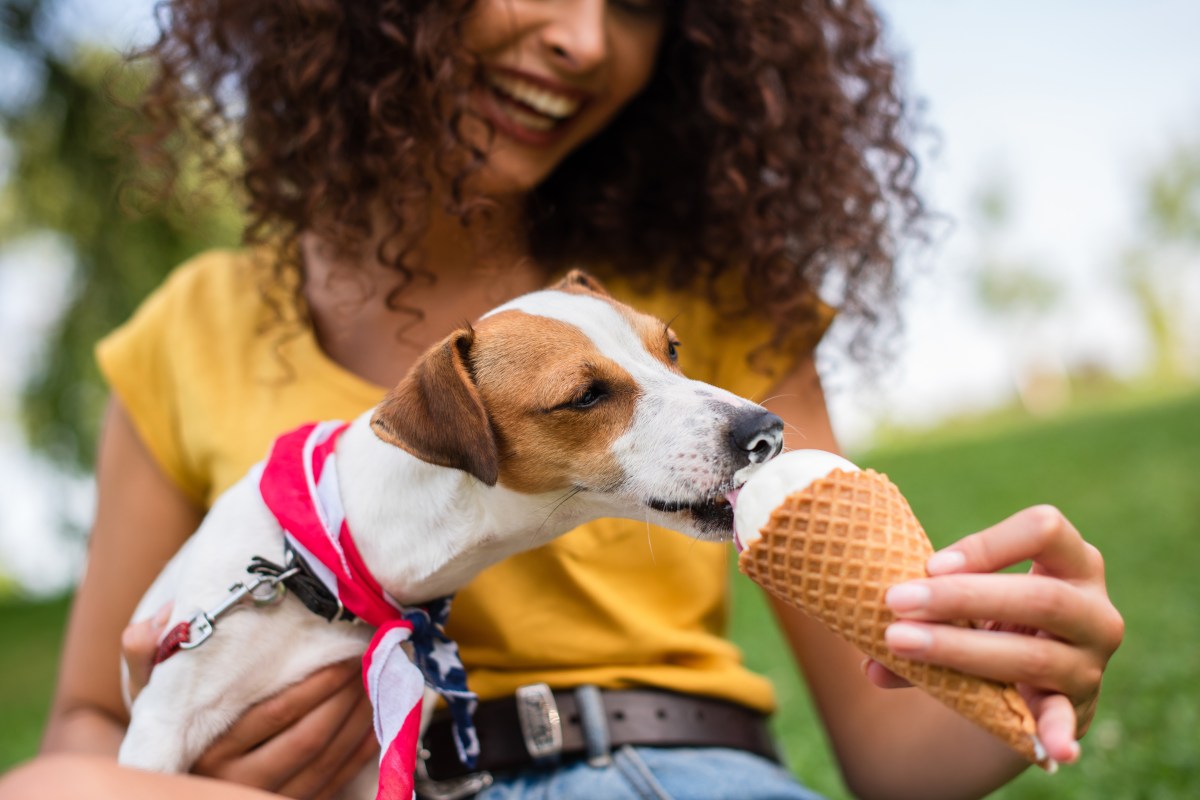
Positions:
{"x": 503, "y": 177}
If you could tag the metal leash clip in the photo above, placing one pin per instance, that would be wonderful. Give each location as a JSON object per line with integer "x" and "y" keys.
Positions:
{"x": 263, "y": 590}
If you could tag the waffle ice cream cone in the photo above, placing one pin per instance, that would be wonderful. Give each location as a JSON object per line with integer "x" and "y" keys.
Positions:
{"x": 833, "y": 547}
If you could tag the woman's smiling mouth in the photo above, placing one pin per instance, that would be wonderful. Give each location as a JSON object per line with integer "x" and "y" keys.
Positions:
{"x": 529, "y": 109}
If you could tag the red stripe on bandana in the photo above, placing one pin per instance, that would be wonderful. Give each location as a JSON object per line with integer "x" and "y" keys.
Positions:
{"x": 397, "y": 760}
{"x": 292, "y": 484}
{"x": 299, "y": 486}
{"x": 376, "y": 610}
{"x": 285, "y": 489}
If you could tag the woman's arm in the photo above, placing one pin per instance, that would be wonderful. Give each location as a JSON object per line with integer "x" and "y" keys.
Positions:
{"x": 141, "y": 520}
{"x": 904, "y": 743}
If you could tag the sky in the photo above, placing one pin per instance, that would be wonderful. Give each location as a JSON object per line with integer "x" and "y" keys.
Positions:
{"x": 1066, "y": 103}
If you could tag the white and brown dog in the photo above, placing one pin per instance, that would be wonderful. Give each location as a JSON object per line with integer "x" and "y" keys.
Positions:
{"x": 559, "y": 407}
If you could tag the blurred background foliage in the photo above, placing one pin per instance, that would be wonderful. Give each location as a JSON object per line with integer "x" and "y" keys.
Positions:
{"x": 1024, "y": 295}
{"x": 71, "y": 173}
{"x": 1168, "y": 245}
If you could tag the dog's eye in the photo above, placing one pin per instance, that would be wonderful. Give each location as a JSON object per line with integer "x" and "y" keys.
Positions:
{"x": 673, "y": 350}
{"x": 590, "y": 396}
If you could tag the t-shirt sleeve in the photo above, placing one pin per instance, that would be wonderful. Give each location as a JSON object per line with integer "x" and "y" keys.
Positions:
{"x": 136, "y": 361}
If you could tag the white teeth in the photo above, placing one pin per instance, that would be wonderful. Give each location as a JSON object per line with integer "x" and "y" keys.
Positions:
{"x": 544, "y": 101}
{"x": 531, "y": 121}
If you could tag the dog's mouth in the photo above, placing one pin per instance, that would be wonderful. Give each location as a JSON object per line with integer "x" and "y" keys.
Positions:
{"x": 713, "y": 515}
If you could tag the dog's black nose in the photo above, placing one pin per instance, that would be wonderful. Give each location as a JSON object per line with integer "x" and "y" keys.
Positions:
{"x": 757, "y": 435}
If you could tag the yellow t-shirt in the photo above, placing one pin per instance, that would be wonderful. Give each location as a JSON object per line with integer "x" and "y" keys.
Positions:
{"x": 615, "y": 603}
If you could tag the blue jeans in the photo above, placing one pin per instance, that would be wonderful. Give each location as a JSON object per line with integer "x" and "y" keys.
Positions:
{"x": 652, "y": 773}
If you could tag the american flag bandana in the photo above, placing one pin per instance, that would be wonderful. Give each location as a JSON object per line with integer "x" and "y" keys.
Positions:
{"x": 300, "y": 487}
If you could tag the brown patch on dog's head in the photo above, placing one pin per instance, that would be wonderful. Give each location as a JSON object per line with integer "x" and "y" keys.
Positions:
{"x": 657, "y": 336}
{"x": 436, "y": 412}
{"x": 525, "y": 400}
{"x": 534, "y": 375}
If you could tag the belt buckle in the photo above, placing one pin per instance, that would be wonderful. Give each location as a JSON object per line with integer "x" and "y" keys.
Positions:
{"x": 452, "y": 789}
{"x": 541, "y": 726}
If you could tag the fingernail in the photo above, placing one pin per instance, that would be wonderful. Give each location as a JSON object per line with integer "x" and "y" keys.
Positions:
{"x": 945, "y": 561}
{"x": 1073, "y": 754}
{"x": 901, "y": 636}
{"x": 907, "y": 597}
{"x": 865, "y": 665}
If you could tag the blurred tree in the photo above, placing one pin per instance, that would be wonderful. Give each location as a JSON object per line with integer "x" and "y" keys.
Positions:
{"x": 1173, "y": 195}
{"x": 69, "y": 163}
{"x": 1020, "y": 294}
{"x": 1162, "y": 268}
{"x": 1006, "y": 285}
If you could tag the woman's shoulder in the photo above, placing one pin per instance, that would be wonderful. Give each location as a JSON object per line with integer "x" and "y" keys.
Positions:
{"x": 230, "y": 277}
{"x": 226, "y": 292}
{"x": 209, "y": 308}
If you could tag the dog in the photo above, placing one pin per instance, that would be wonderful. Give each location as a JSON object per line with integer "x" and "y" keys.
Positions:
{"x": 554, "y": 409}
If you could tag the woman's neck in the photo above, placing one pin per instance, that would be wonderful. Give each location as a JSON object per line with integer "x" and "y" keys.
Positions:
{"x": 356, "y": 325}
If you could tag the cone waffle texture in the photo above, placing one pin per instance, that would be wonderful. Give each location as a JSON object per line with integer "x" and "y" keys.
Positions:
{"x": 833, "y": 550}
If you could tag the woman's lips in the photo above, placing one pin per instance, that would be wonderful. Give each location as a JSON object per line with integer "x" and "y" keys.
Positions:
{"x": 529, "y": 109}
{"x": 543, "y": 96}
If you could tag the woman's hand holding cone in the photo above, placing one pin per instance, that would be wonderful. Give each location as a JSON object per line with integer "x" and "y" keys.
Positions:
{"x": 1051, "y": 631}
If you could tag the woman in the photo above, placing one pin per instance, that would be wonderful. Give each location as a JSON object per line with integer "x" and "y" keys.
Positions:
{"x": 407, "y": 165}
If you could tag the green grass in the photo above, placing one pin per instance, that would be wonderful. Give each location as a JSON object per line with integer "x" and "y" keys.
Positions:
{"x": 32, "y": 634}
{"x": 1130, "y": 481}
{"x": 1128, "y": 478}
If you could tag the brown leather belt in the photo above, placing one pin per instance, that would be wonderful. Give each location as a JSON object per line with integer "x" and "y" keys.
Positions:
{"x": 519, "y": 731}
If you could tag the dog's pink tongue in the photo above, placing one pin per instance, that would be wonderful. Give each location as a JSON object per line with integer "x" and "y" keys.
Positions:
{"x": 731, "y": 496}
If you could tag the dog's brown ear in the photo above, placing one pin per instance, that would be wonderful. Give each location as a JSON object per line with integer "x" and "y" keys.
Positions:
{"x": 578, "y": 279}
{"x": 436, "y": 412}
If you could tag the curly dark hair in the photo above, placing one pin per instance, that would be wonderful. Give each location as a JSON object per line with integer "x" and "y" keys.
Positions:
{"x": 769, "y": 144}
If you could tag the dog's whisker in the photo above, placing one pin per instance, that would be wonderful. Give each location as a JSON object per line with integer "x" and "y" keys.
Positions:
{"x": 775, "y": 397}
{"x": 556, "y": 502}
{"x": 574, "y": 490}
{"x": 795, "y": 429}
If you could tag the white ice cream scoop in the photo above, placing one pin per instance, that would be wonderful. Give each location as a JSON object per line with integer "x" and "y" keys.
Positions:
{"x": 772, "y": 482}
